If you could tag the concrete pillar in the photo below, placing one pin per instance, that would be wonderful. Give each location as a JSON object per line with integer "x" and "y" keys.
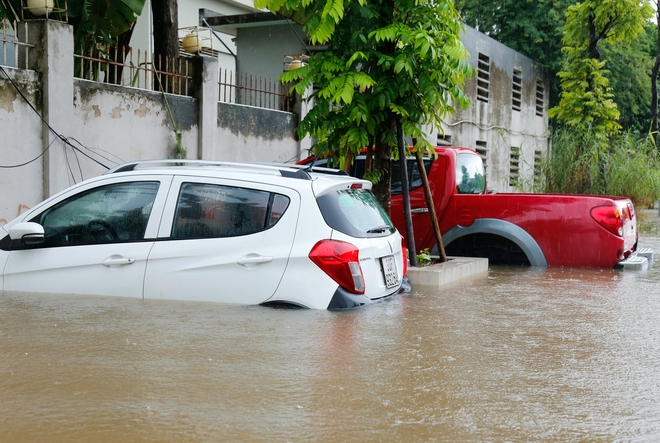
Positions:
{"x": 206, "y": 89}
{"x": 52, "y": 58}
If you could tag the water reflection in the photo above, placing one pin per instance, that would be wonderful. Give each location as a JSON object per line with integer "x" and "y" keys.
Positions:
{"x": 518, "y": 355}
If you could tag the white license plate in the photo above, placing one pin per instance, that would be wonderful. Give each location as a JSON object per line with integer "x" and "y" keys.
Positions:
{"x": 389, "y": 271}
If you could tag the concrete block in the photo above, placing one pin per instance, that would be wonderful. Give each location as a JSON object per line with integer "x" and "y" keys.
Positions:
{"x": 456, "y": 268}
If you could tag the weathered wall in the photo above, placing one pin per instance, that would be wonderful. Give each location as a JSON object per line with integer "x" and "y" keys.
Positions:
{"x": 20, "y": 142}
{"x": 245, "y": 131}
{"x": 128, "y": 124}
{"x": 114, "y": 124}
{"x": 496, "y": 123}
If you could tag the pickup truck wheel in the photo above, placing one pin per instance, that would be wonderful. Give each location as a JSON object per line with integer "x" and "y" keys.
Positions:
{"x": 498, "y": 250}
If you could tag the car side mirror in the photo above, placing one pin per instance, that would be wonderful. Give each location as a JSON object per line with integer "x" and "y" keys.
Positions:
{"x": 28, "y": 233}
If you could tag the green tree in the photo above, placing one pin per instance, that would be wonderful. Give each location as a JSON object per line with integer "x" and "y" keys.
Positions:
{"x": 532, "y": 27}
{"x": 629, "y": 77}
{"x": 586, "y": 99}
{"x": 388, "y": 64}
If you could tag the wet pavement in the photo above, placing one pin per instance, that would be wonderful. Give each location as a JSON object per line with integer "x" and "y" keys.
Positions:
{"x": 516, "y": 355}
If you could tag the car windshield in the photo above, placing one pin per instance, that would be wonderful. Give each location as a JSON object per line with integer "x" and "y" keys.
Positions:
{"x": 355, "y": 212}
{"x": 470, "y": 178}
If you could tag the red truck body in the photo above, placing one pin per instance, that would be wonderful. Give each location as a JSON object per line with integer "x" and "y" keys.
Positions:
{"x": 511, "y": 228}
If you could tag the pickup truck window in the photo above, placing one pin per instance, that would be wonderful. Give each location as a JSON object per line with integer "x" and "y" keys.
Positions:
{"x": 414, "y": 179}
{"x": 470, "y": 177}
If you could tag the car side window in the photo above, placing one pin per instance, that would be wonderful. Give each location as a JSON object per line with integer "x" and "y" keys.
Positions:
{"x": 210, "y": 211}
{"x": 107, "y": 214}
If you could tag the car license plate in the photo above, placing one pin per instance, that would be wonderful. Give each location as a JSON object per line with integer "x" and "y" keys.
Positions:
{"x": 389, "y": 271}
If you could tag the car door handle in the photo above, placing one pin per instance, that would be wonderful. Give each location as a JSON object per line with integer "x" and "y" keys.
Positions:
{"x": 254, "y": 259}
{"x": 419, "y": 210}
{"x": 115, "y": 260}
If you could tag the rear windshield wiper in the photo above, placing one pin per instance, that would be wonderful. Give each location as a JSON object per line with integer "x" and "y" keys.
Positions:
{"x": 378, "y": 230}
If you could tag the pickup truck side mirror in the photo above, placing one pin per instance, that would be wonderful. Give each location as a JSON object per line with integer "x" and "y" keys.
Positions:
{"x": 28, "y": 233}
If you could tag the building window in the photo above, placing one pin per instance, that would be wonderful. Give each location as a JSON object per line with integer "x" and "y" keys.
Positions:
{"x": 538, "y": 158}
{"x": 516, "y": 90}
{"x": 444, "y": 140}
{"x": 483, "y": 78}
{"x": 514, "y": 166}
{"x": 540, "y": 97}
{"x": 482, "y": 150}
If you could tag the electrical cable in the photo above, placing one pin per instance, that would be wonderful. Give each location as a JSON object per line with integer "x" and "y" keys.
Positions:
{"x": 61, "y": 137}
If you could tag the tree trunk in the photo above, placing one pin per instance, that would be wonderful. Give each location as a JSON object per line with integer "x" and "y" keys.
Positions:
{"x": 382, "y": 163}
{"x": 654, "y": 86}
{"x": 593, "y": 37}
{"x": 431, "y": 207}
{"x": 405, "y": 193}
{"x": 166, "y": 41}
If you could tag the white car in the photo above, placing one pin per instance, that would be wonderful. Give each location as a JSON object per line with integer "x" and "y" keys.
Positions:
{"x": 250, "y": 233}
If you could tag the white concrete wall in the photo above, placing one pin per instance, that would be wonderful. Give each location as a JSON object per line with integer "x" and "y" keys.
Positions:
{"x": 20, "y": 142}
{"x": 108, "y": 125}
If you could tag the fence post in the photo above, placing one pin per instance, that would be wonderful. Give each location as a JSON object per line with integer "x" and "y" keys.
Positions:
{"x": 52, "y": 57}
{"x": 205, "y": 88}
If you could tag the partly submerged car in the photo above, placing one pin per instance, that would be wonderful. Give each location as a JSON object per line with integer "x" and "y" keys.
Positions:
{"x": 245, "y": 233}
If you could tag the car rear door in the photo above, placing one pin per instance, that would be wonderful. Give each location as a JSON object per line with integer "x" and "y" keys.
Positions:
{"x": 98, "y": 238}
{"x": 222, "y": 240}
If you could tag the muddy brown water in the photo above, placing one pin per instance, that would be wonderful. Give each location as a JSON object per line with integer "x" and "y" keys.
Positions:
{"x": 518, "y": 355}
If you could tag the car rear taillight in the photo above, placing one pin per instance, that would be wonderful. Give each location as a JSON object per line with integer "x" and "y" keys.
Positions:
{"x": 609, "y": 217}
{"x": 340, "y": 260}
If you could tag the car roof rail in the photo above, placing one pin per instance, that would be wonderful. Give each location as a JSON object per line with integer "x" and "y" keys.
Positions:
{"x": 284, "y": 169}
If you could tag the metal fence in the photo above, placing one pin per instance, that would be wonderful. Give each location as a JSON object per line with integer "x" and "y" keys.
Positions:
{"x": 125, "y": 67}
{"x": 251, "y": 90}
{"x": 10, "y": 44}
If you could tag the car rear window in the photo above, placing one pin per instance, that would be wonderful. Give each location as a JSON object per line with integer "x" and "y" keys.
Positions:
{"x": 355, "y": 212}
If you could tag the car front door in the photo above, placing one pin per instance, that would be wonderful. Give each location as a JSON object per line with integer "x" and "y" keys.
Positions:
{"x": 97, "y": 240}
{"x": 221, "y": 240}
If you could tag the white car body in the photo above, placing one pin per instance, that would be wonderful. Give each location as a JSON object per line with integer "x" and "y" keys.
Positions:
{"x": 167, "y": 253}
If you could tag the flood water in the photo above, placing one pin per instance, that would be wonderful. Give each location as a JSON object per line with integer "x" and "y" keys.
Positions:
{"x": 518, "y": 355}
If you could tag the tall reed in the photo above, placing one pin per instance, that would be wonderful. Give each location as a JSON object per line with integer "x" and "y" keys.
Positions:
{"x": 585, "y": 163}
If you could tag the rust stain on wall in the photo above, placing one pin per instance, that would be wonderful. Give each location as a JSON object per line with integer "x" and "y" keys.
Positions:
{"x": 143, "y": 110}
{"x": 21, "y": 208}
{"x": 116, "y": 112}
{"x": 7, "y": 98}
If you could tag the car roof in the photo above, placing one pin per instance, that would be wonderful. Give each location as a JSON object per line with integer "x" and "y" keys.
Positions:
{"x": 323, "y": 180}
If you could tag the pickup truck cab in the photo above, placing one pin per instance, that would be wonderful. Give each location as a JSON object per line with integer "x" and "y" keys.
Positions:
{"x": 510, "y": 228}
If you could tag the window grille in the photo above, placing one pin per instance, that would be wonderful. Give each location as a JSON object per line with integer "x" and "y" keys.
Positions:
{"x": 540, "y": 97}
{"x": 516, "y": 90}
{"x": 482, "y": 150}
{"x": 514, "y": 166}
{"x": 538, "y": 158}
{"x": 444, "y": 140}
{"x": 483, "y": 78}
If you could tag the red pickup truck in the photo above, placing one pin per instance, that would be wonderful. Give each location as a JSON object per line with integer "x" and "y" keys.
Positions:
{"x": 510, "y": 228}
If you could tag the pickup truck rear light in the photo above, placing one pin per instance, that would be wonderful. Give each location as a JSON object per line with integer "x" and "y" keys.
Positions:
{"x": 610, "y": 218}
{"x": 340, "y": 260}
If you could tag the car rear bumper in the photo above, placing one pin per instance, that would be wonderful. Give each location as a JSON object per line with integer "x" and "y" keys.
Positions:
{"x": 343, "y": 299}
